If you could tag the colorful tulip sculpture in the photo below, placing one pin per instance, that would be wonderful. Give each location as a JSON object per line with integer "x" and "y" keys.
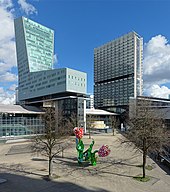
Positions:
{"x": 88, "y": 155}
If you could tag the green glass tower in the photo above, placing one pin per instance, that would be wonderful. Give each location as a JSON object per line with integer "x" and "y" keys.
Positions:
{"x": 40, "y": 43}
{"x": 38, "y": 82}
{"x": 37, "y": 42}
{"x": 37, "y": 78}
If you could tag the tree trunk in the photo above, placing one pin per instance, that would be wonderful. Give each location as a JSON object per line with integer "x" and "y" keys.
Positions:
{"x": 62, "y": 152}
{"x": 113, "y": 131}
{"x": 90, "y": 121}
{"x": 144, "y": 157}
{"x": 49, "y": 166}
{"x": 89, "y": 133}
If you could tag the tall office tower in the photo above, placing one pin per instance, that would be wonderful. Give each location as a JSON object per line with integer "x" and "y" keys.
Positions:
{"x": 35, "y": 44}
{"x": 118, "y": 71}
{"x": 38, "y": 81}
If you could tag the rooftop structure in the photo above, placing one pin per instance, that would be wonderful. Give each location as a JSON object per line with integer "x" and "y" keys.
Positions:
{"x": 18, "y": 109}
{"x": 98, "y": 112}
{"x": 154, "y": 101}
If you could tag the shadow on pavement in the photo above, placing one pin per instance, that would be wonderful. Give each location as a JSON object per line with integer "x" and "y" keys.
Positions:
{"x": 86, "y": 167}
{"x": 18, "y": 183}
{"x": 14, "y": 168}
{"x": 73, "y": 163}
{"x": 19, "y": 149}
{"x": 112, "y": 173}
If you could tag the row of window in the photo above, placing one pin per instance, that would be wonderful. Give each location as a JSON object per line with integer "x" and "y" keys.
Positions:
{"x": 76, "y": 83}
{"x": 115, "y": 43}
{"x": 77, "y": 78}
{"x": 124, "y": 50}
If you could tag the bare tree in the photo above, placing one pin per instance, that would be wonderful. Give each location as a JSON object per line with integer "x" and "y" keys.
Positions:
{"x": 90, "y": 124}
{"x": 55, "y": 133}
{"x": 72, "y": 122}
{"x": 146, "y": 128}
{"x": 114, "y": 123}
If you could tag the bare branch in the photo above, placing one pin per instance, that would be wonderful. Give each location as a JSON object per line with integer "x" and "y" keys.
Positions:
{"x": 146, "y": 128}
{"x": 57, "y": 128}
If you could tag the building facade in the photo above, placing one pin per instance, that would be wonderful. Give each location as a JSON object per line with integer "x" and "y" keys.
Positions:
{"x": 118, "y": 71}
{"x": 38, "y": 81}
{"x": 90, "y": 101}
{"x": 37, "y": 78}
{"x": 158, "y": 106}
{"x": 18, "y": 121}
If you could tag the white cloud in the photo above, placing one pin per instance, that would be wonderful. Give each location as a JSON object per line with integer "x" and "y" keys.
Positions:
{"x": 156, "y": 67}
{"x": 1, "y": 90}
{"x": 158, "y": 91}
{"x": 6, "y": 98}
{"x": 6, "y": 3}
{"x": 156, "y": 62}
{"x": 8, "y": 77}
{"x": 27, "y": 7}
{"x": 55, "y": 57}
{"x": 12, "y": 87}
{"x": 7, "y": 45}
{"x": 7, "y": 49}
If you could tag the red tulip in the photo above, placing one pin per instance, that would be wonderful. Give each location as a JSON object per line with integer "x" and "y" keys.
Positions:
{"x": 78, "y": 132}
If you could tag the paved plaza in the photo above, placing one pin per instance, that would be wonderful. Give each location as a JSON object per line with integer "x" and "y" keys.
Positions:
{"x": 24, "y": 170}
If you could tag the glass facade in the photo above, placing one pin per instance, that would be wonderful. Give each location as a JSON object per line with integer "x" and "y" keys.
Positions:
{"x": 118, "y": 71}
{"x": 39, "y": 42}
{"x": 38, "y": 81}
{"x": 139, "y": 56}
{"x": 20, "y": 125}
{"x": 159, "y": 106}
{"x": 114, "y": 93}
{"x": 35, "y": 45}
{"x": 71, "y": 107}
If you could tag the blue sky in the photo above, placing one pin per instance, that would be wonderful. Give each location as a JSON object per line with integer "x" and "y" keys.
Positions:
{"x": 81, "y": 25}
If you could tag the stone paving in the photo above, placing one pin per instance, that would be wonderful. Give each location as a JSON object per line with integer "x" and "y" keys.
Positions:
{"x": 24, "y": 171}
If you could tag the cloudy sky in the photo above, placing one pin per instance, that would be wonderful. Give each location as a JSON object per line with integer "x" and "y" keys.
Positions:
{"x": 80, "y": 26}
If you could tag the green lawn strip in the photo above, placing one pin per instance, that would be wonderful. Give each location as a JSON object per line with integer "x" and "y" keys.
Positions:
{"x": 140, "y": 178}
{"x": 55, "y": 176}
{"x": 149, "y": 167}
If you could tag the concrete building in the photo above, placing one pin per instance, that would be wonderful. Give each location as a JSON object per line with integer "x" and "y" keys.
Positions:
{"x": 35, "y": 45}
{"x": 118, "y": 72}
{"x": 90, "y": 101}
{"x": 156, "y": 105}
{"x": 38, "y": 82}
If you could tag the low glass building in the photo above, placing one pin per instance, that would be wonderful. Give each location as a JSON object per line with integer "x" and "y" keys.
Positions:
{"x": 16, "y": 120}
